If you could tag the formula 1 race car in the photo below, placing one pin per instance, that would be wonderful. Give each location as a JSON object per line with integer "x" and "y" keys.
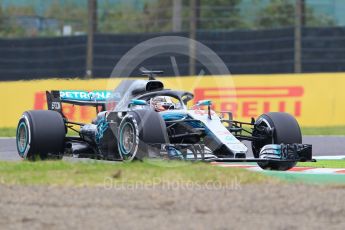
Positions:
{"x": 141, "y": 119}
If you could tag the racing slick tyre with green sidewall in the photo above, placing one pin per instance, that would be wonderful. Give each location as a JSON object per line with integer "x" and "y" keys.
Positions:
{"x": 137, "y": 131}
{"x": 40, "y": 135}
{"x": 285, "y": 130}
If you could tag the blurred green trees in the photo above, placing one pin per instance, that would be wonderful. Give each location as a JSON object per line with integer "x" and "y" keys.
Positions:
{"x": 69, "y": 13}
{"x": 153, "y": 16}
{"x": 220, "y": 14}
{"x": 8, "y": 25}
{"x": 281, "y": 13}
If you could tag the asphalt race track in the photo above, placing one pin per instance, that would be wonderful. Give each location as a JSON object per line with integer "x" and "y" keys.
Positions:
{"x": 322, "y": 146}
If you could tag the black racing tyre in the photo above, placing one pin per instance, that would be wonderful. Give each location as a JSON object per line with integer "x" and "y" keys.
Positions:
{"x": 137, "y": 131}
{"x": 40, "y": 135}
{"x": 285, "y": 130}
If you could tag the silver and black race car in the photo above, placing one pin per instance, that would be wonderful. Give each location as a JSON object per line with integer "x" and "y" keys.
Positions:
{"x": 141, "y": 119}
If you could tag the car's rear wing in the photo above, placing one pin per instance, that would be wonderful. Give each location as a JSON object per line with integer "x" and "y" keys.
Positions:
{"x": 94, "y": 98}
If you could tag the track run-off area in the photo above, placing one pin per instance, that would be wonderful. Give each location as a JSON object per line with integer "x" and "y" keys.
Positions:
{"x": 324, "y": 148}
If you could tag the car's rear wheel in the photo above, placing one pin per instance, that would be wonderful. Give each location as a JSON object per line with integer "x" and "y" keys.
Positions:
{"x": 285, "y": 130}
{"x": 40, "y": 135}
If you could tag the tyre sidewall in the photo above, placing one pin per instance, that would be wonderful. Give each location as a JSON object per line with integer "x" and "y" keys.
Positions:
{"x": 133, "y": 121}
{"x": 26, "y": 152}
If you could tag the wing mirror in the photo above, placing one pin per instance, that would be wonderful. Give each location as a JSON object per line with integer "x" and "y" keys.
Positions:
{"x": 204, "y": 102}
{"x": 138, "y": 102}
{"x": 207, "y": 103}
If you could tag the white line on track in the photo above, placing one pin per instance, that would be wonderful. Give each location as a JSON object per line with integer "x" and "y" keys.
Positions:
{"x": 308, "y": 170}
{"x": 337, "y": 157}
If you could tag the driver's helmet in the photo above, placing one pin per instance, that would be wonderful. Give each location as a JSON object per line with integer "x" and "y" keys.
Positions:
{"x": 162, "y": 103}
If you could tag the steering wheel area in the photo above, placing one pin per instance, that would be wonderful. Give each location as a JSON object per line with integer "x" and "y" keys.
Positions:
{"x": 179, "y": 98}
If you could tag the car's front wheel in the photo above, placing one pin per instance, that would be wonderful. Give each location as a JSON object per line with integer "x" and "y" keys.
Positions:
{"x": 285, "y": 130}
{"x": 140, "y": 135}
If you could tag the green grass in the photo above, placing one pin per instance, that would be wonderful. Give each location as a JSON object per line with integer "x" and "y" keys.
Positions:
{"x": 147, "y": 173}
{"x": 324, "y": 164}
{"x": 337, "y": 130}
{"x": 11, "y": 132}
{"x": 7, "y": 132}
{"x": 142, "y": 173}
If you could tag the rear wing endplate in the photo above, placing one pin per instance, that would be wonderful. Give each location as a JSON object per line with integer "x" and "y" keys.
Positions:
{"x": 96, "y": 98}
